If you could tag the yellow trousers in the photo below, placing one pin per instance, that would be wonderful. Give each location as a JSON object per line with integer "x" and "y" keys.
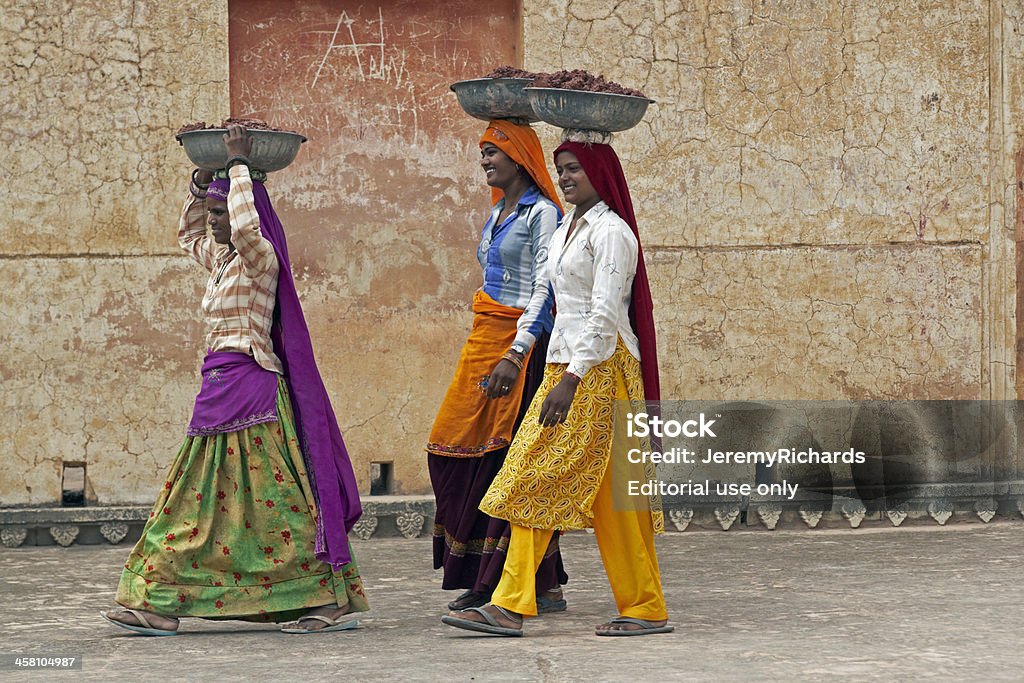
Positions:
{"x": 625, "y": 538}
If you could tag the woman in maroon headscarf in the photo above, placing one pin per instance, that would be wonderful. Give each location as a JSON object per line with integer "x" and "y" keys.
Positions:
{"x": 252, "y": 521}
{"x": 568, "y": 461}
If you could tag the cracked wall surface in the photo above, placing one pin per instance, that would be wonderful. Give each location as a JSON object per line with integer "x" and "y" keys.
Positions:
{"x": 92, "y": 94}
{"x": 820, "y": 322}
{"x": 826, "y": 190}
{"x": 101, "y": 337}
{"x": 384, "y": 204}
{"x": 805, "y": 122}
{"x": 820, "y": 187}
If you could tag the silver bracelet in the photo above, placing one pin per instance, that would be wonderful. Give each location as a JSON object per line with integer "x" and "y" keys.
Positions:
{"x": 196, "y": 182}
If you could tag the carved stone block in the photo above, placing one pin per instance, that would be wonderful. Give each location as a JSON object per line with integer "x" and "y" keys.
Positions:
{"x": 365, "y": 527}
{"x": 680, "y": 518}
{"x": 64, "y": 534}
{"x": 811, "y": 516}
{"x": 940, "y": 511}
{"x": 854, "y": 511}
{"x": 726, "y": 515}
{"x": 12, "y": 537}
{"x": 897, "y": 514}
{"x": 409, "y": 523}
{"x": 985, "y": 509}
{"x": 769, "y": 514}
{"x": 114, "y": 532}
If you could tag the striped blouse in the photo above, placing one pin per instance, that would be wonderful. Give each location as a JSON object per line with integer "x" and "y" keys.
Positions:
{"x": 240, "y": 294}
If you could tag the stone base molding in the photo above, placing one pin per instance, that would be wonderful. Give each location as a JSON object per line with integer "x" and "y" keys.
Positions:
{"x": 412, "y": 516}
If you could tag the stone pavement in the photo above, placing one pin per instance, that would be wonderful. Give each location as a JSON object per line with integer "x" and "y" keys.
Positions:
{"x": 944, "y": 603}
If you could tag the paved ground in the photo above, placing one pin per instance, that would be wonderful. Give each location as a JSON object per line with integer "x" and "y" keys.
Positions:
{"x": 901, "y": 604}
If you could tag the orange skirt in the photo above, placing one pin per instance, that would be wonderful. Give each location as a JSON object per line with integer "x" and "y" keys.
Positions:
{"x": 469, "y": 424}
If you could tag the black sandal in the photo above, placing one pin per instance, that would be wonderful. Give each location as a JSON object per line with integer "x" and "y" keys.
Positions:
{"x": 469, "y": 599}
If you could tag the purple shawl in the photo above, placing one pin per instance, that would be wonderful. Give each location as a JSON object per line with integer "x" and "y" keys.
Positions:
{"x": 236, "y": 393}
{"x": 327, "y": 461}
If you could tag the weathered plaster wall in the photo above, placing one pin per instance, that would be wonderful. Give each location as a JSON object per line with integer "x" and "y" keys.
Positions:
{"x": 826, "y": 190}
{"x": 99, "y": 331}
{"x": 822, "y": 188}
{"x": 384, "y": 205}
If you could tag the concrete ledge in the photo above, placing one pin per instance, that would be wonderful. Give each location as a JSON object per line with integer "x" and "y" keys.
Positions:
{"x": 844, "y": 508}
{"x": 413, "y": 516}
{"x": 383, "y": 516}
{"x": 74, "y": 515}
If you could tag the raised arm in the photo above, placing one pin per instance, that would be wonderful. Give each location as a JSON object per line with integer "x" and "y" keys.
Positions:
{"x": 192, "y": 235}
{"x": 255, "y": 251}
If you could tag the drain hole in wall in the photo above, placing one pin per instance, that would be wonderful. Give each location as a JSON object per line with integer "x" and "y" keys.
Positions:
{"x": 380, "y": 478}
{"x": 72, "y": 484}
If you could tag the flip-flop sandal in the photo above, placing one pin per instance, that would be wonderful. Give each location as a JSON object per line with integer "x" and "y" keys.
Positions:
{"x": 492, "y": 626}
{"x": 145, "y": 629}
{"x": 547, "y": 605}
{"x": 332, "y": 625}
{"x": 648, "y": 628}
{"x": 464, "y": 602}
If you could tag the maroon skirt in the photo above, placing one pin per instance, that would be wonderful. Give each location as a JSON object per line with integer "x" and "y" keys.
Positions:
{"x": 469, "y": 545}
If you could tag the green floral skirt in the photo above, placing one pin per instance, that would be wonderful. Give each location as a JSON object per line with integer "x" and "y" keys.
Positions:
{"x": 231, "y": 535}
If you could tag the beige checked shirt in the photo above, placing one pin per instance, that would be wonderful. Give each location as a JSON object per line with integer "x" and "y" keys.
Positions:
{"x": 239, "y": 300}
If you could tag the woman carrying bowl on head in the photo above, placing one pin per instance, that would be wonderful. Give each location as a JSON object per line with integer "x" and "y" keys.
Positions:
{"x": 252, "y": 520}
{"x": 499, "y": 369}
{"x": 568, "y": 461}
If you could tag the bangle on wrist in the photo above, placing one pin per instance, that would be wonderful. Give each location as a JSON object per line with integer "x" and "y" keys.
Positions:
{"x": 195, "y": 181}
{"x": 235, "y": 160}
{"x": 196, "y": 191}
{"x": 573, "y": 376}
{"x": 512, "y": 358}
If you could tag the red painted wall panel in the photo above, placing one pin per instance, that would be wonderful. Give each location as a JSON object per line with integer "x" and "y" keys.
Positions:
{"x": 383, "y": 207}
{"x": 391, "y": 159}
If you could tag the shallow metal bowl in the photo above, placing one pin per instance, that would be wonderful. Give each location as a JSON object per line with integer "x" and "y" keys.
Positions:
{"x": 495, "y": 98}
{"x": 589, "y": 110}
{"x": 272, "y": 150}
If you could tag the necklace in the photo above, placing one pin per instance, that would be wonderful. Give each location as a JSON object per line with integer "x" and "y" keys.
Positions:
{"x": 220, "y": 273}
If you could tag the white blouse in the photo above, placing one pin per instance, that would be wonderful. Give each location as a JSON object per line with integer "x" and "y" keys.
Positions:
{"x": 592, "y": 276}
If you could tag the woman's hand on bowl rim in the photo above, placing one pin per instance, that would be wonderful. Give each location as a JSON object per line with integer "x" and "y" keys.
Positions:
{"x": 237, "y": 141}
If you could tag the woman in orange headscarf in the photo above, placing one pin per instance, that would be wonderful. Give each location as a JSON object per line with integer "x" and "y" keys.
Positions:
{"x": 501, "y": 365}
{"x": 568, "y": 466}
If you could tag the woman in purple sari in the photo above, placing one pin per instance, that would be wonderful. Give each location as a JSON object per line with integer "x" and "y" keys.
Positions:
{"x": 252, "y": 520}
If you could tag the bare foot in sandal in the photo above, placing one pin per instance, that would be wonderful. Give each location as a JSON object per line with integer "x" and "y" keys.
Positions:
{"x": 627, "y": 626}
{"x": 469, "y": 599}
{"x": 309, "y": 621}
{"x": 551, "y": 601}
{"x": 505, "y": 618}
{"x": 155, "y": 621}
{"x": 487, "y": 619}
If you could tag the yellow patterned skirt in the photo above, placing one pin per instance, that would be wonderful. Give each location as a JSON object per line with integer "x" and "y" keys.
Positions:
{"x": 551, "y": 475}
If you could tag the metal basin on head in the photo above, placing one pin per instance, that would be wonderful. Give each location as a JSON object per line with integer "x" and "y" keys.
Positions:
{"x": 272, "y": 150}
{"x": 495, "y": 98}
{"x": 588, "y": 110}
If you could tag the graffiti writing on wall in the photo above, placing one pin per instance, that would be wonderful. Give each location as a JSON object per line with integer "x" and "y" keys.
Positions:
{"x": 370, "y": 58}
